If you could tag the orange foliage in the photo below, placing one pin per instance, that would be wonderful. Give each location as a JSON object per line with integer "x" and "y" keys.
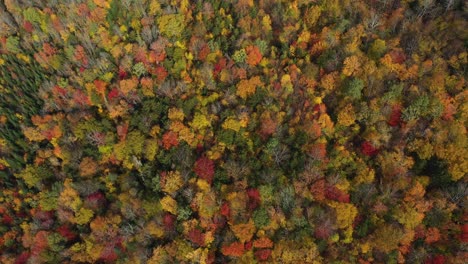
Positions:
{"x": 244, "y": 232}
{"x": 235, "y": 249}
{"x": 253, "y": 55}
{"x": 245, "y": 88}
{"x": 169, "y": 140}
{"x": 88, "y": 167}
{"x": 432, "y": 235}
{"x": 263, "y": 242}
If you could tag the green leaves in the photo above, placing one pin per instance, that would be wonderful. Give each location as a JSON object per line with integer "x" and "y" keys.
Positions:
{"x": 419, "y": 108}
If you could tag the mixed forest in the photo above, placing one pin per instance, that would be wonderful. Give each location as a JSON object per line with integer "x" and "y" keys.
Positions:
{"x": 236, "y": 131}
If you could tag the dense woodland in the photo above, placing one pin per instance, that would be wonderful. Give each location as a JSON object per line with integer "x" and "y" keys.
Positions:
{"x": 266, "y": 131}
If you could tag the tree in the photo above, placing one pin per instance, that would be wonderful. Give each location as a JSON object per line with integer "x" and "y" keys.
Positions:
{"x": 245, "y": 88}
{"x": 204, "y": 168}
{"x": 351, "y": 66}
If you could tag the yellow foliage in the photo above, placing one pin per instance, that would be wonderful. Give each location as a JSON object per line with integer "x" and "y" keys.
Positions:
{"x": 326, "y": 123}
{"x": 153, "y": 229}
{"x": 151, "y": 149}
{"x": 231, "y": 123}
{"x": 345, "y": 213}
{"x": 154, "y": 7}
{"x": 160, "y": 255}
{"x": 176, "y": 114}
{"x": 200, "y": 255}
{"x": 216, "y": 151}
{"x": 312, "y": 15}
{"x": 200, "y": 121}
{"x": 395, "y": 163}
{"x": 343, "y": 185}
{"x": 237, "y": 201}
{"x": 286, "y": 83}
{"x": 169, "y": 204}
{"x": 155, "y": 130}
{"x": 171, "y": 25}
{"x": 346, "y": 117}
{"x": 207, "y": 204}
{"x": 33, "y": 134}
{"x": 393, "y": 67}
{"x": 365, "y": 247}
{"x": 266, "y": 23}
{"x": 423, "y": 148}
{"x": 172, "y": 182}
{"x": 408, "y": 216}
{"x": 365, "y": 175}
{"x": 203, "y": 185}
{"x": 351, "y": 65}
{"x": 387, "y": 238}
{"x": 83, "y": 216}
{"x": 291, "y": 252}
{"x": 69, "y": 197}
{"x": 29, "y": 175}
{"x": 102, "y": 3}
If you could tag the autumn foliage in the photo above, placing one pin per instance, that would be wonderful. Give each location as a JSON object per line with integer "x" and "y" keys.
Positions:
{"x": 299, "y": 131}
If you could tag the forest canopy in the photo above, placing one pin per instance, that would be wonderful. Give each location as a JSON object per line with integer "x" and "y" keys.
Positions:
{"x": 237, "y": 131}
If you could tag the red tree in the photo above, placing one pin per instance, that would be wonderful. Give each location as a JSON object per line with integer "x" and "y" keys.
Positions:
{"x": 204, "y": 168}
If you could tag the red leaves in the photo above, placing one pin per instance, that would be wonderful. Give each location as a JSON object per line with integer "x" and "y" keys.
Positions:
{"x": 219, "y": 66}
{"x": 204, "y": 168}
{"x": 263, "y": 254}
{"x": 268, "y": 126}
{"x": 28, "y": 26}
{"x": 323, "y": 231}
{"x": 197, "y": 237}
{"x": 169, "y": 221}
{"x": 108, "y": 255}
{"x": 318, "y": 190}
{"x": 464, "y": 233}
{"x": 80, "y": 98}
{"x": 368, "y": 149}
{"x": 57, "y": 90}
{"x": 395, "y": 116}
{"x": 122, "y": 74}
{"x": 333, "y": 193}
{"x": 114, "y": 93}
{"x": 23, "y": 258}
{"x": 235, "y": 249}
{"x": 225, "y": 210}
{"x": 6, "y": 219}
{"x": 398, "y": 56}
{"x": 160, "y": 73}
{"x": 169, "y": 140}
{"x": 438, "y": 259}
{"x": 254, "y": 198}
{"x": 66, "y": 232}
{"x": 95, "y": 200}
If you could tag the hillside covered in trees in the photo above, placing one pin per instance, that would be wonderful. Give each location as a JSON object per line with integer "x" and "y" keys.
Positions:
{"x": 236, "y": 131}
